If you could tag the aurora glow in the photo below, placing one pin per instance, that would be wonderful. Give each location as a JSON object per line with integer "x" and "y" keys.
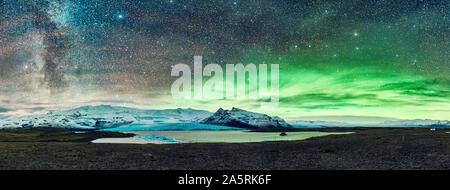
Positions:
{"x": 378, "y": 58}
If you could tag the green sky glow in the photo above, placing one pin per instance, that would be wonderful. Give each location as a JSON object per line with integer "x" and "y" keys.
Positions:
{"x": 381, "y": 70}
{"x": 378, "y": 58}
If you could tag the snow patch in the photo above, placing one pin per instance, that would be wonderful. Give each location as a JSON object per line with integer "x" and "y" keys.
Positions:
{"x": 244, "y": 119}
{"x": 103, "y": 117}
{"x": 391, "y": 123}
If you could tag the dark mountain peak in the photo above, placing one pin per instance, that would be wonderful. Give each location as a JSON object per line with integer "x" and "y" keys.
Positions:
{"x": 244, "y": 119}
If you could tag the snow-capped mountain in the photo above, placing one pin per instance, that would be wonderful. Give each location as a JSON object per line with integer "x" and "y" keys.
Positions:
{"x": 318, "y": 123}
{"x": 240, "y": 118}
{"x": 102, "y": 117}
{"x": 415, "y": 123}
{"x": 106, "y": 117}
{"x": 391, "y": 123}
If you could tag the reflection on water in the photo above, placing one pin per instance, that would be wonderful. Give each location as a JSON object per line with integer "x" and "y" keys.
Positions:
{"x": 160, "y": 137}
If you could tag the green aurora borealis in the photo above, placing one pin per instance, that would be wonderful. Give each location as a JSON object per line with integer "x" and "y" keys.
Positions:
{"x": 337, "y": 58}
{"x": 389, "y": 69}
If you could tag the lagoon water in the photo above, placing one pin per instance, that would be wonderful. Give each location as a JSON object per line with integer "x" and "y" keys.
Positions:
{"x": 235, "y": 136}
{"x": 201, "y": 133}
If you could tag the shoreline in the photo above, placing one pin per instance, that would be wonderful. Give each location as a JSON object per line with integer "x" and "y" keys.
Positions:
{"x": 376, "y": 149}
{"x": 238, "y": 136}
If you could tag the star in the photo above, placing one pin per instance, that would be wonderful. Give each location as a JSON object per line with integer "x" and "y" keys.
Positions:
{"x": 112, "y": 45}
{"x": 120, "y": 16}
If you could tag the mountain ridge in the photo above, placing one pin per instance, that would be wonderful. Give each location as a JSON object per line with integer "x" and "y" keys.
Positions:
{"x": 103, "y": 117}
{"x": 241, "y": 118}
{"x": 107, "y": 116}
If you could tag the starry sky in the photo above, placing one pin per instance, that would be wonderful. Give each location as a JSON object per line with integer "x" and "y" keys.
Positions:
{"x": 371, "y": 58}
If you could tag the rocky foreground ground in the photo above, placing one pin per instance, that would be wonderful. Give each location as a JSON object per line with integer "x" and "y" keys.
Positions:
{"x": 381, "y": 148}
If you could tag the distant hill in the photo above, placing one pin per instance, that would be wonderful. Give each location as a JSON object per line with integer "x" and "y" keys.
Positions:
{"x": 390, "y": 123}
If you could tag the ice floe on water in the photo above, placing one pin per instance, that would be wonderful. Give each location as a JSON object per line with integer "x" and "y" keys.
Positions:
{"x": 164, "y": 137}
{"x": 172, "y": 137}
{"x": 138, "y": 139}
{"x": 128, "y": 140}
{"x": 172, "y": 127}
{"x": 157, "y": 138}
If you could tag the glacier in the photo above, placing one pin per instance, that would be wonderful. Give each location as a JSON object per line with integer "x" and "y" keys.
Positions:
{"x": 115, "y": 118}
{"x": 172, "y": 127}
{"x": 103, "y": 117}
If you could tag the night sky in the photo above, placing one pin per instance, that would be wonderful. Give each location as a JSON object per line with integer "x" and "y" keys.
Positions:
{"x": 380, "y": 58}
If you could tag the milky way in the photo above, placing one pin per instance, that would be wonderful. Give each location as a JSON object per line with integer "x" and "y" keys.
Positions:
{"x": 362, "y": 58}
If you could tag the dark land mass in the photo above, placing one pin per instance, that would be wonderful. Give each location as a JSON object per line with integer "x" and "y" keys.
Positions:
{"x": 367, "y": 148}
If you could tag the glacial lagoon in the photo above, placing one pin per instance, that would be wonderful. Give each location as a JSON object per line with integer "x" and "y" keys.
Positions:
{"x": 234, "y": 136}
